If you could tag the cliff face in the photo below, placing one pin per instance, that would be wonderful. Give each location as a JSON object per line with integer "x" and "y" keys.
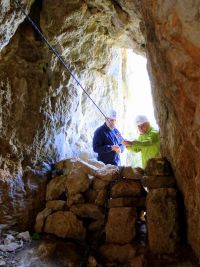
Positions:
{"x": 44, "y": 115}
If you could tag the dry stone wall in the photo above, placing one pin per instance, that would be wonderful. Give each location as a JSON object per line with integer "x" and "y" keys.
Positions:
{"x": 85, "y": 203}
{"x": 103, "y": 207}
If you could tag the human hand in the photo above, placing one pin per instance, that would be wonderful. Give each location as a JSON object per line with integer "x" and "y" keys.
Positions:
{"x": 126, "y": 143}
{"x": 116, "y": 149}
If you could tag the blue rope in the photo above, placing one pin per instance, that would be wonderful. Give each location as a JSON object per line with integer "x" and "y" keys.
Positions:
{"x": 57, "y": 55}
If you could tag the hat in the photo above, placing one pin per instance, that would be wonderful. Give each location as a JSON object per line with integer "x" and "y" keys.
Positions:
{"x": 112, "y": 114}
{"x": 140, "y": 119}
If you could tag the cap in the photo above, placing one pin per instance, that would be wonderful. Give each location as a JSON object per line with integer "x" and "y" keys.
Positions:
{"x": 140, "y": 119}
{"x": 112, "y": 114}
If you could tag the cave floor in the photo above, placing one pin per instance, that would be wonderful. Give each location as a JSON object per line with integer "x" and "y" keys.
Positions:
{"x": 50, "y": 251}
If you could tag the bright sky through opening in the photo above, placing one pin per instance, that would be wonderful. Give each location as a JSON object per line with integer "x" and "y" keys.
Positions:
{"x": 139, "y": 99}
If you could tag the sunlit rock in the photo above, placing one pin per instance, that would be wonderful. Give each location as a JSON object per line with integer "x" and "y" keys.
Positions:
{"x": 56, "y": 187}
{"x": 108, "y": 173}
{"x": 11, "y": 16}
{"x": 77, "y": 182}
{"x": 69, "y": 165}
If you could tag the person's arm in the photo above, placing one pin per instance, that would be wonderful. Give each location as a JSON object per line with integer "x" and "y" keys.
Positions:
{"x": 129, "y": 146}
{"x": 149, "y": 141}
{"x": 98, "y": 145}
{"x": 137, "y": 145}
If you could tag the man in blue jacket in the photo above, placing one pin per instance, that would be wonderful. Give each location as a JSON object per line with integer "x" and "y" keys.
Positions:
{"x": 107, "y": 141}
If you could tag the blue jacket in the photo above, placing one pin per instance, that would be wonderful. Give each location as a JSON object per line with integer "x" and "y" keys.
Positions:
{"x": 103, "y": 140}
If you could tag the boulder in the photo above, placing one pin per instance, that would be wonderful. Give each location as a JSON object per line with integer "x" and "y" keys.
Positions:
{"x": 87, "y": 210}
{"x": 40, "y": 219}
{"x": 64, "y": 224}
{"x": 67, "y": 166}
{"x": 56, "y": 187}
{"x": 77, "y": 182}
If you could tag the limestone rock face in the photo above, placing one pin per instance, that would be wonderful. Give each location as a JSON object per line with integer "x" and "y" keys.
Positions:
{"x": 11, "y": 16}
{"x": 173, "y": 50}
{"x": 21, "y": 197}
{"x": 44, "y": 115}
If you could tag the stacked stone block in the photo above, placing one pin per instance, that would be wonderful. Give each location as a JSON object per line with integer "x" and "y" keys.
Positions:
{"x": 162, "y": 208}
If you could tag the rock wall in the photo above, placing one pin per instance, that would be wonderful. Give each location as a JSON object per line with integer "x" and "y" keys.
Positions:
{"x": 173, "y": 50}
{"x": 44, "y": 115}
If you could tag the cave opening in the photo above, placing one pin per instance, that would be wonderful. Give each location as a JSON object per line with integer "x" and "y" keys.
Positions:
{"x": 138, "y": 101}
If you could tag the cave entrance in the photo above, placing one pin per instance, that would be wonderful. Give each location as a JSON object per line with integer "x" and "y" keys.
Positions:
{"x": 138, "y": 101}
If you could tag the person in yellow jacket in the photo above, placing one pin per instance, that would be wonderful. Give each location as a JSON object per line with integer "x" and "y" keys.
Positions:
{"x": 147, "y": 142}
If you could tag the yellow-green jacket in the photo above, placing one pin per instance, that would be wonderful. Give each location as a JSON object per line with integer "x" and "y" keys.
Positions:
{"x": 147, "y": 144}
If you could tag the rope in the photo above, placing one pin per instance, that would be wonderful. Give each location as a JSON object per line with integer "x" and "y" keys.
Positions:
{"x": 55, "y": 52}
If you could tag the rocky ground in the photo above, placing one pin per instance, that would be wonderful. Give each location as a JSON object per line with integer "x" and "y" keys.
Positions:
{"x": 48, "y": 250}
